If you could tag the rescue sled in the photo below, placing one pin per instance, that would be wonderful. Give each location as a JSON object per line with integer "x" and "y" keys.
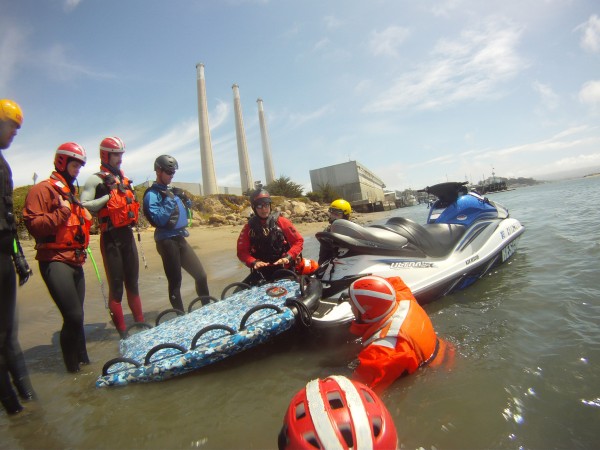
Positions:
{"x": 213, "y": 332}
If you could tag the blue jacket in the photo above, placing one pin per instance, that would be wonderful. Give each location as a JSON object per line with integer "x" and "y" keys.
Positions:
{"x": 166, "y": 211}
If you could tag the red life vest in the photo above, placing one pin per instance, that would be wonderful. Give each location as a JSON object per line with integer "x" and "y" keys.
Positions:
{"x": 122, "y": 208}
{"x": 75, "y": 232}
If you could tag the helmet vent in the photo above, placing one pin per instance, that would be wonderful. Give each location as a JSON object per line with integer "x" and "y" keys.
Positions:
{"x": 367, "y": 396}
{"x": 376, "y": 423}
{"x": 312, "y": 440}
{"x": 346, "y": 432}
{"x": 335, "y": 400}
{"x": 300, "y": 411}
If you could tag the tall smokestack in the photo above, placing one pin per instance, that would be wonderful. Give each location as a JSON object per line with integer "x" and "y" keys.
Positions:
{"x": 266, "y": 145}
{"x": 245, "y": 172}
{"x": 209, "y": 180}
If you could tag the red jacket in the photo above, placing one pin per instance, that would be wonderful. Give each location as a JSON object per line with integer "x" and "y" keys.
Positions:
{"x": 292, "y": 236}
{"x": 54, "y": 226}
{"x": 401, "y": 342}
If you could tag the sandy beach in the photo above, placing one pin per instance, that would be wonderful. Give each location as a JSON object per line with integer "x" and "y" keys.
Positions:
{"x": 39, "y": 318}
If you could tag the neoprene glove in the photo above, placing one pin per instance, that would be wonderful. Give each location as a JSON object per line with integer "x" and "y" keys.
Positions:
{"x": 21, "y": 267}
{"x": 184, "y": 198}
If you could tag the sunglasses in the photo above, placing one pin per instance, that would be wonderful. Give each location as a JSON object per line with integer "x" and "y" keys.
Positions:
{"x": 262, "y": 205}
{"x": 169, "y": 172}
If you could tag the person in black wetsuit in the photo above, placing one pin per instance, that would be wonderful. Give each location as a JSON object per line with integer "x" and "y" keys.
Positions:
{"x": 110, "y": 195}
{"x": 61, "y": 228}
{"x": 168, "y": 209}
{"x": 12, "y": 361}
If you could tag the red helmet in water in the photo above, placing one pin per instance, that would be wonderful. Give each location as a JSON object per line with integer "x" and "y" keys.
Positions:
{"x": 337, "y": 413}
{"x": 67, "y": 151}
{"x": 373, "y": 296}
{"x": 109, "y": 146}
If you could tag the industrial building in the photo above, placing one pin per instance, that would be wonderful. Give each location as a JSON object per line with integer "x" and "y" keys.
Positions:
{"x": 355, "y": 183}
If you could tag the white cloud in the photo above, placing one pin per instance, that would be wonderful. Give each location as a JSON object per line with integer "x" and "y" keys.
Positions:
{"x": 332, "y": 22}
{"x": 590, "y": 37}
{"x": 70, "y": 5}
{"x": 590, "y": 93}
{"x": 388, "y": 41}
{"x": 548, "y": 97}
{"x": 12, "y": 43}
{"x": 61, "y": 67}
{"x": 297, "y": 120}
{"x": 469, "y": 67}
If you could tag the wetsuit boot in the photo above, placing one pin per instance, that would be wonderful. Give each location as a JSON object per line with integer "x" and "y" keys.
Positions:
{"x": 135, "y": 305}
{"x": 116, "y": 312}
{"x": 25, "y": 388}
{"x": 20, "y": 376}
{"x": 11, "y": 404}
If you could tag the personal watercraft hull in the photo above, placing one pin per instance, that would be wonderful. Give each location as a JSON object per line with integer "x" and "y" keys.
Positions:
{"x": 433, "y": 261}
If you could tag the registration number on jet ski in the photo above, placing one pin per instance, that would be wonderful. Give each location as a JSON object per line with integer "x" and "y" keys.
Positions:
{"x": 508, "y": 251}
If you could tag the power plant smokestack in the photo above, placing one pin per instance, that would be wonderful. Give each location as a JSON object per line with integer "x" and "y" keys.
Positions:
{"x": 266, "y": 145}
{"x": 209, "y": 180}
{"x": 245, "y": 172}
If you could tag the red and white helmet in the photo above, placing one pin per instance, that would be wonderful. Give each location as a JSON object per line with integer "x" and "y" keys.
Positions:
{"x": 373, "y": 296}
{"x": 337, "y": 413}
{"x": 110, "y": 145}
{"x": 66, "y": 151}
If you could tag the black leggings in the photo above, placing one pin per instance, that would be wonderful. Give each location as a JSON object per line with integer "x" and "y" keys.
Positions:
{"x": 121, "y": 262}
{"x": 66, "y": 285}
{"x": 176, "y": 254}
{"x": 12, "y": 362}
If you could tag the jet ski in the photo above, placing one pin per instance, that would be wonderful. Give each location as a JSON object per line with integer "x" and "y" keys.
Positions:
{"x": 466, "y": 236}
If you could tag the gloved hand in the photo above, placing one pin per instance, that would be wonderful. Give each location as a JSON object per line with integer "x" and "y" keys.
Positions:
{"x": 184, "y": 198}
{"x": 22, "y": 268}
{"x": 110, "y": 182}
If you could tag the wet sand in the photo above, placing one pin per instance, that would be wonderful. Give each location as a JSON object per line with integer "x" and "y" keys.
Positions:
{"x": 39, "y": 318}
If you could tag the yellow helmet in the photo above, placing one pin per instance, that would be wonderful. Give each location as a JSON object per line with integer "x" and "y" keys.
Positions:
{"x": 341, "y": 205}
{"x": 10, "y": 110}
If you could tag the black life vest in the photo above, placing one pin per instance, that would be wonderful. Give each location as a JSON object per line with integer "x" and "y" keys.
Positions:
{"x": 267, "y": 242}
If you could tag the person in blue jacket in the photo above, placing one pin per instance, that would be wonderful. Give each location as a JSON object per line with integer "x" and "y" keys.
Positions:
{"x": 168, "y": 209}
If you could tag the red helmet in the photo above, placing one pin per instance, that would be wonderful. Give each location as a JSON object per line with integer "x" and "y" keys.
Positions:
{"x": 65, "y": 152}
{"x": 337, "y": 413}
{"x": 306, "y": 266}
{"x": 110, "y": 145}
{"x": 373, "y": 296}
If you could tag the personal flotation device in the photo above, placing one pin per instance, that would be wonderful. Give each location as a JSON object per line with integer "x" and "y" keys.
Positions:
{"x": 75, "y": 232}
{"x": 396, "y": 326}
{"x": 267, "y": 241}
{"x": 122, "y": 208}
{"x": 180, "y": 217}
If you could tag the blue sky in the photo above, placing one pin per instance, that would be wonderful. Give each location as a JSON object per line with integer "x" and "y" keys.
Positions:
{"x": 419, "y": 92}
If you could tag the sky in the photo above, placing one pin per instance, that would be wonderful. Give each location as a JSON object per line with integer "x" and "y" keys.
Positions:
{"x": 418, "y": 92}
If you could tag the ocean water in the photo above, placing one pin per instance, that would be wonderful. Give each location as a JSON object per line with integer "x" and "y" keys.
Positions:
{"x": 526, "y": 373}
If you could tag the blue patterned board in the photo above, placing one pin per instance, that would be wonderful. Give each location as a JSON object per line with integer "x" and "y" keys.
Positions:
{"x": 212, "y": 346}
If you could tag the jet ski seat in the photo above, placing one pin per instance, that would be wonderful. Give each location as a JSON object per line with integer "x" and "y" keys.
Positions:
{"x": 436, "y": 239}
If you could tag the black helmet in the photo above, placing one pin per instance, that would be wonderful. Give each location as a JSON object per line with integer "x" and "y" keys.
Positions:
{"x": 165, "y": 162}
{"x": 258, "y": 197}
